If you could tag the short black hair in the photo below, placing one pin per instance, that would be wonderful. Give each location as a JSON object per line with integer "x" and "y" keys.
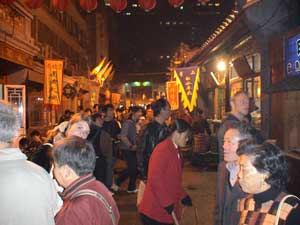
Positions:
{"x": 88, "y": 110}
{"x": 106, "y": 107}
{"x": 95, "y": 106}
{"x": 267, "y": 158}
{"x": 158, "y": 105}
{"x": 180, "y": 126}
{"x": 24, "y": 141}
{"x": 95, "y": 116}
{"x": 76, "y": 153}
{"x": 200, "y": 111}
{"x": 35, "y": 133}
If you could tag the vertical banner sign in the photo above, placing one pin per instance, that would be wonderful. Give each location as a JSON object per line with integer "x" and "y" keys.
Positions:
{"x": 172, "y": 94}
{"x": 188, "y": 79}
{"x": 53, "y": 81}
{"x": 115, "y": 98}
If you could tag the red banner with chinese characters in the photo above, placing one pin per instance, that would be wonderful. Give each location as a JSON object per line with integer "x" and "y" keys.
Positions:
{"x": 53, "y": 81}
{"x": 172, "y": 94}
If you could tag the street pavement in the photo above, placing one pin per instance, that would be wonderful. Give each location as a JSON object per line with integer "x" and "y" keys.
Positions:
{"x": 199, "y": 183}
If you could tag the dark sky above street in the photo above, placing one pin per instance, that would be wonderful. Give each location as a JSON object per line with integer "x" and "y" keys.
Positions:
{"x": 146, "y": 41}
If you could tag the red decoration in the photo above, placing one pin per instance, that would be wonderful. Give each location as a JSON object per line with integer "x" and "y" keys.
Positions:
{"x": 88, "y": 5}
{"x": 60, "y": 5}
{"x": 175, "y": 3}
{"x": 147, "y": 5}
{"x": 118, "y": 5}
{"x": 6, "y": 2}
{"x": 33, "y": 4}
{"x": 203, "y": 1}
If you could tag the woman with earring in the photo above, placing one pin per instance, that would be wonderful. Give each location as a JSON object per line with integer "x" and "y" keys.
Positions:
{"x": 263, "y": 174}
{"x": 164, "y": 191}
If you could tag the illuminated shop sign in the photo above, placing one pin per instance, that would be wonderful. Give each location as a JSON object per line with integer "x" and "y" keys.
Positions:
{"x": 292, "y": 56}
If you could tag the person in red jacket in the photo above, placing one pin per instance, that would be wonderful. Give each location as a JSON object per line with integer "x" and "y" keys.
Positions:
{"x": 164, "y": 193}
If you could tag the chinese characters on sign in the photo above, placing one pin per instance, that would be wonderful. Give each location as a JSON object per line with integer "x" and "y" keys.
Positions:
{"x": 188, "y": 80}
{"x": 53, "y": 82}
{"x": 172, "y": 94}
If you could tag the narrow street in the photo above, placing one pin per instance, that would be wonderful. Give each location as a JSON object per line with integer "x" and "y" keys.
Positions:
{"x": 198, "y": 183}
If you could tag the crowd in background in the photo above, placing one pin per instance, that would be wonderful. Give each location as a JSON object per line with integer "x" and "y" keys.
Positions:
{"x": 81, "y": 151}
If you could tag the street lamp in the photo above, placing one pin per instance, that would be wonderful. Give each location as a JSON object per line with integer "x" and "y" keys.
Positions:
{"x": 221, "y": 66}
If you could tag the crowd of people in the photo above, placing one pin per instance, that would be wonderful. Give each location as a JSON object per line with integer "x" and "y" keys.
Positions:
{"x": 68, "y": 176}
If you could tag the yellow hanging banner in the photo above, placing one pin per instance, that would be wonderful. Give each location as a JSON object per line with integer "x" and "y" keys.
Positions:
{"x": 53, "y": 81}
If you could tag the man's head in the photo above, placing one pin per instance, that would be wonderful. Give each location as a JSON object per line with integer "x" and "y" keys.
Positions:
{"x": 239, "y": 103}
{"x": 73, "y": 157}
{"x": 98, "y": 119}
{"x": 9, "y": 123}
{"x": 108, "y": 110}
{"x": 233, "y": 135}
{"x": 135, "y": 113}
{"x": 88, "y": 112}
{"x": 161, "y": 108}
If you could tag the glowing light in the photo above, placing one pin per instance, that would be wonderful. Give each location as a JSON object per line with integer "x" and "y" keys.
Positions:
{"x": 221, "y": 66}
{"x": 136, "y": 84}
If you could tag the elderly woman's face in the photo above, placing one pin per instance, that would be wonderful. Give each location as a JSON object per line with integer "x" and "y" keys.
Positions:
{"x": 79, "y": 129}
{"x": 250, "y": 180}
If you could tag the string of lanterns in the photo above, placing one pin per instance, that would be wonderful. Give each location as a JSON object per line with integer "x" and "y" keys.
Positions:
{"x": 90, "y": 5}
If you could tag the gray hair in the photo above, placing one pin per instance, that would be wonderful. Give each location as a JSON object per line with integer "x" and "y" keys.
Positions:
{"x": 76, "y": 153}
{"x": 245, "y": 130}
{"x": 9, "y": 123}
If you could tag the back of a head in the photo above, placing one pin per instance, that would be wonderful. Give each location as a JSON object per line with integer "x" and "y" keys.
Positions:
{"x": 76, "y": 153}
{"x": 180, "y": 126}
{"x": 35, "y": 133}
{"x": 106, "y": 107}
{"x": 9, "y": 123}
{"x": 158, "y": 105}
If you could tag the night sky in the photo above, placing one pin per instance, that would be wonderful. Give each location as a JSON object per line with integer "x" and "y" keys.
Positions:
{"x": 146, "y": 41}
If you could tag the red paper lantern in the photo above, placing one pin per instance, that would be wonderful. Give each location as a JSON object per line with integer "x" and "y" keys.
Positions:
{"x": 6, "y": 2}
{"x": 147, "y": 5}
{"x": 60, "y": 5}
{"x": 33, "y": 4}
{"x": 175, "y": 3}
{"x": 118, "y": 5}
{"x": 88, "y": 5}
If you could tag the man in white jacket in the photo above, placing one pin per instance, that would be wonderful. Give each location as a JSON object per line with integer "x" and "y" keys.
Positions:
{"x": 27, "y": 193}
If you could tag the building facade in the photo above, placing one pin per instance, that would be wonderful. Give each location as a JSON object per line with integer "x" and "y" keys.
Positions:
{"x": 28, "y": 37}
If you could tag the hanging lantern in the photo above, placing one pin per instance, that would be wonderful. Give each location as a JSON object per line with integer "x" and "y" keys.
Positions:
{"x": 60, "y": 5}
{"x": 33, "y": 4}
{"x": 147, "y": 5}
{"x": 118, "y": 5}
{"x": 6, "y": 2}
{"x": 176, "y": 3}
{"x": 88, "y": 5}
